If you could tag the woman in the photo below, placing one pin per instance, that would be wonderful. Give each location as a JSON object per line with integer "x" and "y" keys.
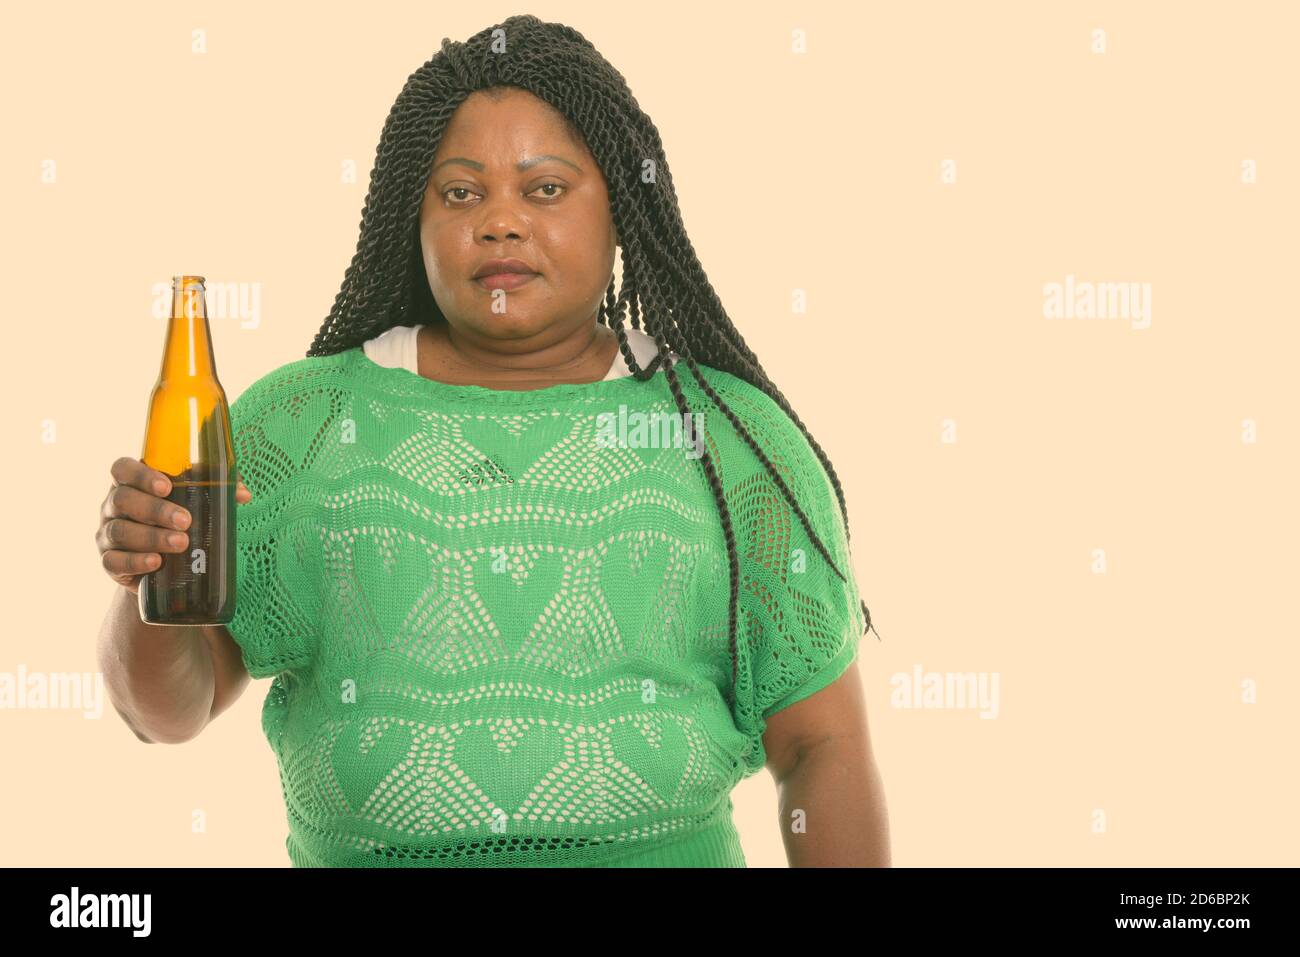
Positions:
{"x": 537, "y": 587}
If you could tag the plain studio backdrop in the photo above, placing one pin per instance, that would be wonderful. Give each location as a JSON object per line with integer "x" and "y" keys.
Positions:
{"x": 1075, "y": 528}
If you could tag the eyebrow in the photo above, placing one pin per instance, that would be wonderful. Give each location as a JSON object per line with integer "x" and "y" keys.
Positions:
{"x": 520, "y": 166}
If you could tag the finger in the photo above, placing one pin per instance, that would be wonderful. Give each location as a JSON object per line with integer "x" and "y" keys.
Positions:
{"x": 122, "y": 534}
{"x": 133, "y": 472}
{"x": 124, "y": 565}
{"x": 125, "y": 501}
{"x": 242, "y": 494}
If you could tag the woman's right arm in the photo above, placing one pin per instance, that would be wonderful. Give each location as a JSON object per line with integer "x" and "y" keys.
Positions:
{"x": 165, "y": 681}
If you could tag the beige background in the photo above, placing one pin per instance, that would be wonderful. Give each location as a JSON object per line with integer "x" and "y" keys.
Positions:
{"x": 1099, "y": 537}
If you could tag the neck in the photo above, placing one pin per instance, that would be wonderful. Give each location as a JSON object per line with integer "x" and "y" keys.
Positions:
{"x": 583, "y": 354}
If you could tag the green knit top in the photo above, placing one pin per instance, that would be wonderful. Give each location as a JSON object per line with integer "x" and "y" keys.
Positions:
{"x": 497, "y": 620}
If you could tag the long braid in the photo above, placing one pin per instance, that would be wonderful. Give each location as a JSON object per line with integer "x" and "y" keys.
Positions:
{"x": 664, "y": 287}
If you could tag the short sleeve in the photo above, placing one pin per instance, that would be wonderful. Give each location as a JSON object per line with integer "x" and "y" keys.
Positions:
{"x": 800, "y": 616}
{"x": 275, "y": 604}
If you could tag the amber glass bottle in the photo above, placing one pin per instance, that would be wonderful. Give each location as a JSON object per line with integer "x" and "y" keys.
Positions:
{"x": 188, "y": 437}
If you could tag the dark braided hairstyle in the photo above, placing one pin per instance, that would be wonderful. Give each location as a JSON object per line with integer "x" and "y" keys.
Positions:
{"x": 386, "y": 285}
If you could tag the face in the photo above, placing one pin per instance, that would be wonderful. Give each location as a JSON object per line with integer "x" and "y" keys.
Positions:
{"x": 553, "y": 214}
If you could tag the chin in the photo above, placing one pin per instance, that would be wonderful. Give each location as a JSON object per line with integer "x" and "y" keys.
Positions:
{"x": 509, "y": 325}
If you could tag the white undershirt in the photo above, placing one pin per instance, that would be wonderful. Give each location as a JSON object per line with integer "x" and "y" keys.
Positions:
{"x": 396, "y": 348}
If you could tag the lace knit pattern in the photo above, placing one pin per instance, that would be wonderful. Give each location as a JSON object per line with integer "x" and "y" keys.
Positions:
{"x": 497, "y": 620}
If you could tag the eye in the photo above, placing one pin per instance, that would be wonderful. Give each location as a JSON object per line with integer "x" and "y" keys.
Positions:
{"x": 470, "y": 192}
{"x": 457, "y": 189}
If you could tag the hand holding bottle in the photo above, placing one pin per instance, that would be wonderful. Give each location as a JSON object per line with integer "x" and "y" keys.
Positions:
{"x": 136, "y": 522}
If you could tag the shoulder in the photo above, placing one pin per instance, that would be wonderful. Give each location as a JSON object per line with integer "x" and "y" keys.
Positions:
{"x": 734, "y": 390}
{"x": 769, "y": 424}
{"x": 745, "y": 478}
{"x": 276, "y": 423}
{"x": 288, "y": 380}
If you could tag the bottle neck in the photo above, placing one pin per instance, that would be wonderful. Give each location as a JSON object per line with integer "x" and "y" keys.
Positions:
{"x": 187, "y": 352}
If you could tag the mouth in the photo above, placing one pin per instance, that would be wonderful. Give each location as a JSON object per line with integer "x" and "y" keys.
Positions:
{"x": 505, "y": 280}
{"x": 503, "y": 273}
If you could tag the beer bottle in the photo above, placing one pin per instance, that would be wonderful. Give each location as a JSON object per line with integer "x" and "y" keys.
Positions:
{"x": 187, "y": 436}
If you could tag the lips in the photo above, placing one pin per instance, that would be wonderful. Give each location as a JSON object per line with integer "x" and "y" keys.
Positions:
{"x": 504, "y": 274}
{"x": 506, "y": 280}
{"x": 497, "y": 266}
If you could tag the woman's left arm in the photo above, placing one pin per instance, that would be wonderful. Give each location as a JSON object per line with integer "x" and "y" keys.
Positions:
{"x": 831, "y": 799}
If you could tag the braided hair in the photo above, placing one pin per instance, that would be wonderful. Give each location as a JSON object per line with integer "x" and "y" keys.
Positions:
{"x": 385, "y": 285}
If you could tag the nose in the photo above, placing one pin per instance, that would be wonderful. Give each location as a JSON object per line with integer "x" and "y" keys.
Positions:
{"x": 502, "y": 221}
